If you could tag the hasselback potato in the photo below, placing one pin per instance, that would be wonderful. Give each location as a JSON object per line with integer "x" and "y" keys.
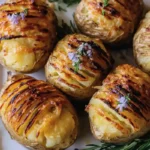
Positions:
{"x": 141, "y": 44}
{"x": 27, "y": 34}
{"x": 113, "y": 21}
{"x": 120, "y": 110}
{"x": 77, "y": 64}
{"x": 37, "y": 115}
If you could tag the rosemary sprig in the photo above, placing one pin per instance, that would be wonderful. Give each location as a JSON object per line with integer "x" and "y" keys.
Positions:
{"x": 105, "y": 4}
{"x": 123, "y": 102}
{"x": 67, "y": 2}
{"x": 26, "y": 11}
{"x": 77, "y": 65}
{"x": 64, "y": 29}
{"x": 71, "y": 2}
{"x": 137, "y": 144}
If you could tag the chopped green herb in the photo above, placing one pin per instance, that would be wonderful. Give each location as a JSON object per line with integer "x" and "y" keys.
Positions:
{"x": 67, "y": 2}
{"x": 127, "y": 97}
{"x": 26, "y": 11}
{"x": 105, "y": 4}
{"x": 123, "y": 102}
{"x": 77, "y": 66}
{"x": 64, "y": 29}
{"x": 103, "y": 12}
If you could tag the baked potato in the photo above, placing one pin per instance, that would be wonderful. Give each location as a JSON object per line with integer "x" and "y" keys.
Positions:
{"x": 120, "y": 110}
{"x": 141, "y": 44}
{"x": 27, "y": 34}
{"x": 77, "y": 64}
{"x": 37, "y": 115}
{"x": 113, "y": 21}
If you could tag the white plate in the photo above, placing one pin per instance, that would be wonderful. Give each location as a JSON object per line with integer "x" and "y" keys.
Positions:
{"x": 85, "y": 137}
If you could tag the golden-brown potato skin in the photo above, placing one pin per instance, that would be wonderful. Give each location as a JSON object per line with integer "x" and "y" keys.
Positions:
{"x": 37, "y": 115}
{"x": 113, "y": 24}
{"x": 25, "y": 46}
{"x": 113, "y": 124}
{"x": 61, "y": 72}
{"x": 141, "y": 44}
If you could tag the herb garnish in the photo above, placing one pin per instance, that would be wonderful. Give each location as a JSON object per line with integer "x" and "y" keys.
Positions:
{"x": 63, "y": 29}
{"x": 105, "y": 4}
{"x": 123, "y": 102}
{"x": 67, "y": 2}
{"x": 84, "y": 49}
{"x": 137, "y": 144}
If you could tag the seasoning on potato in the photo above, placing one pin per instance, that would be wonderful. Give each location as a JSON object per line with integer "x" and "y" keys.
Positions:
{"x": 120, "y": 110}
{"x": 37, "y": 115}
{"x": 141, "y": 44}
{"x": 113, "y": 22}
{"x": 27, "y": 34}
{"x": 77, "y": 64}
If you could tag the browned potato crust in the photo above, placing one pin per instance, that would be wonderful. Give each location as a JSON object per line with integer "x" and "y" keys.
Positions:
{"x": 37, "y": 115}
{"x": 114, "y": 23}
{"x": 77, "y": 64}
{"x": 27, "y": 34}
{"x": 141, "y": 44}
{"x": 120, "y": 110}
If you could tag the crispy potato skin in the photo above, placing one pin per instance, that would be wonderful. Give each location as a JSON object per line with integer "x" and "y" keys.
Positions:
{"x": 115, "y": 26}
{"x": 61, "y": 73}
{"x": 141, "y": 44}
{"x": 108, "y": 122}
{"x": 26, "y": 46}
{"x": 37, "y": 115}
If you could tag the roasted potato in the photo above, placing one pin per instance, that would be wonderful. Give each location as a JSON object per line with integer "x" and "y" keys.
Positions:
{"x": 112, "y": 21}
{"x": 27, "y": 34}
{"x": 120, "y": 110}
{"x": 77, "y": 64}
{"x": 37, "y": 115}
{"x": 141, "y": 44}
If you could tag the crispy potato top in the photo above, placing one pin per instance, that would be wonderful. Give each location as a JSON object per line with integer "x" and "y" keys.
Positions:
{"x": 113, "y": 23}
{"x": 78, "y": 63}
{"x": 35, "y": 113}
{"x": 27, "y": 35}
{"x": 120, "y": 110}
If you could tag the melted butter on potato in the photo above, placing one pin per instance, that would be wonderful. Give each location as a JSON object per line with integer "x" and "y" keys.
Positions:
{"x": 77, "y": 64}
{"x": 28, "y": 34}
{"x": 37, "y": 115}
{"x": 120, "y": 110}
{"x": 114, "y": 23}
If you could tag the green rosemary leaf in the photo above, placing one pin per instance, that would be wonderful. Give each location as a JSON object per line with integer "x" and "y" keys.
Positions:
{"x": 76, "y": 66}
{"x": 130, "y": 146}
{"x": 65, "y": 29}
{"x": 67, "y": 2}
{"x": 71, "y": 2}
{"x": 26, "y": 11}
{"x": 93, "y": 145}
{"x": 145, "y": 146}
{"x": 73, "y": 27}
{"x": 103, "y": 12}
{"x": 142, "y": 143}
{"x": 127, "y": 97}
{"x": 60, "y": 8}
{"x": 105, "y": 3}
